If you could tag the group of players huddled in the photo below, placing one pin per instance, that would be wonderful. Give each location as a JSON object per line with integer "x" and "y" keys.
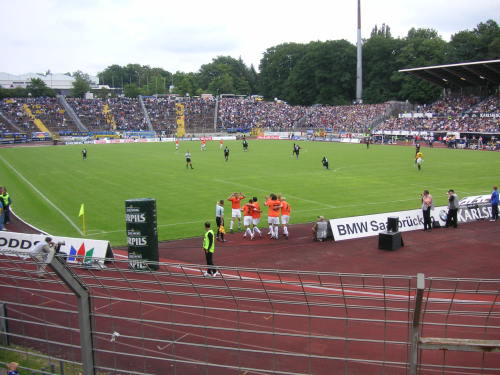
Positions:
{"x": 277, "y": 207}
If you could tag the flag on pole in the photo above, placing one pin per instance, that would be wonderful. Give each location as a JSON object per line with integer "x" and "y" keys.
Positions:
{"x": 82, "y": 215}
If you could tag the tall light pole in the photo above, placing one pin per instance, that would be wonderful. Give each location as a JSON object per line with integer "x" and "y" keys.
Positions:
{"x": 359, "y": 66}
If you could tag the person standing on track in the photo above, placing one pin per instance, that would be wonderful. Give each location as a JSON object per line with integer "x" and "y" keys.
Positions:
{"x": 209, "y": 249}
{"x": 286, "y": 209}
{"x": 247, "y": 218}
{"x": 256, "y": 217}
{"x": 6, "y": 200}
{"x": 453, "y": 206}
{"x": 494, "y": 204}
{"x": 219, "y": 220}
{"x": 273, "y": 215}
{"x": 426, "y": 210}
{"x": 235, "y": 200}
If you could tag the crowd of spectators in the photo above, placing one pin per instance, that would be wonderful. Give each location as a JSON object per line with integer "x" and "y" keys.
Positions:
{"x": 89, "y": 111}
{"x": 127, "y": 114}
{"x": 161, "y": 112}
{"x": 198, "y": 113}
{"x": 458, "y": 114}
{"x": 248, "y": 113}
{"x": 350, "y": 119}
{"x": 454, "y": 106}
{"x": 48, "y": 110}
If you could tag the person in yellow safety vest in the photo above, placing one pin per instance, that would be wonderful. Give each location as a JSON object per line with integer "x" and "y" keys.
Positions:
{"x": 209, "y": 249}
{"x": 6, "y": 201}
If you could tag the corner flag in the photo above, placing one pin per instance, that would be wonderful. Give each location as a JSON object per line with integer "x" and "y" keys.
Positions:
{"x": 82, "y": 215}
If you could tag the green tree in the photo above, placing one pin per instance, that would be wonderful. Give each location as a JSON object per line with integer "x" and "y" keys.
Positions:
{"x": 17, "y": 92}
{"x": 131, "y": 90}
{"x": 37, "y": 87}
{"x": 81, "y": 84}
{"x": 380, "y": 53}
{"x": 325, "y": 75}
{"x": 226, "y": 73}
{"x": 421, "y": 47}
{"x": 185, "y": 83}
{"x": 276, "y": 66}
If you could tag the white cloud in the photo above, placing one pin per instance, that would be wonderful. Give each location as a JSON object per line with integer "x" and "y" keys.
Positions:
{"x": 66, "y": 35}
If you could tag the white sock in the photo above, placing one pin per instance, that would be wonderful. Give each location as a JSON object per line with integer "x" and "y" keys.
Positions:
{"x": 249, "y": 231}
{"x": 276, "y": 231}
{"x": 271, "y": 231}
{"x": 257, "y": 230}
{"x": 285, "y": 230}
{"x": 231, "y": 225}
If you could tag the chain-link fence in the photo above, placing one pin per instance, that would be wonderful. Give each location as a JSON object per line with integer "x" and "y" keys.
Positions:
{"x": 245, "y": 321}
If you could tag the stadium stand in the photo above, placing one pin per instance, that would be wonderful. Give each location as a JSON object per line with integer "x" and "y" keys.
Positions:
{"x": 457, "y": 114}
{"x": 90, "y": 112}
{"x": 23, "y": 111}
{"x": 352, "y": 118}
{"x": 247, "y": 113}
{"x": 466, "y": 114}
{"x": 161, "y": 111}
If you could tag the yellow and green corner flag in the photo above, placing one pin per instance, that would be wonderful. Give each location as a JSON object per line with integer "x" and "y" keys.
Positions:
{"x": 82, "y": 215}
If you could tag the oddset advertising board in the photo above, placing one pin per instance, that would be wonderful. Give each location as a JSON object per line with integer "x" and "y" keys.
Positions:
{"x": 77, "y": 250}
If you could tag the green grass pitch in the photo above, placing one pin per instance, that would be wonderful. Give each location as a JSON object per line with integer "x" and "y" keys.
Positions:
{"x": 48, "y": 184}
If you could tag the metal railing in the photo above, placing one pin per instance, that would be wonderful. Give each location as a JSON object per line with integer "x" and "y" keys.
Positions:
{"x": 254, "y": 321}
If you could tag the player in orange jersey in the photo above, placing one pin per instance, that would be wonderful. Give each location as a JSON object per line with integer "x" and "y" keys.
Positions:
{"x": 256, "y": 217}
{"x": 203, "y": 144}
{"x": 176, "y": 144}
{"x": 221, "y": 144}
{"x": 235, "y": 200}
{"x": 273, "y": 214}
{"x": 247, "y": 218}
{"x": 286, "y": 209}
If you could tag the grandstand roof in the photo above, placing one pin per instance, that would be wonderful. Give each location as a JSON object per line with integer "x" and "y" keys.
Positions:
{"x": 469, "y": 74}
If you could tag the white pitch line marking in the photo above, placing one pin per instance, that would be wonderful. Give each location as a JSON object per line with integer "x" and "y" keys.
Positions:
{"x": 170, "y": 343}
{"x": 43, "y": 196}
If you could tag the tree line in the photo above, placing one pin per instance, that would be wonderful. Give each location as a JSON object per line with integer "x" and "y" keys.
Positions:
{"x": 318, "y": 72}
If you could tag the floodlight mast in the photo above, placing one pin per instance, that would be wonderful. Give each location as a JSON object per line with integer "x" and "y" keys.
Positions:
{"x": 359, "y": 66}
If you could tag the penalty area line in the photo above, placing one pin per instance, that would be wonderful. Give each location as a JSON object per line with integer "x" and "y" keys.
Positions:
{"x": 66, "y": 217}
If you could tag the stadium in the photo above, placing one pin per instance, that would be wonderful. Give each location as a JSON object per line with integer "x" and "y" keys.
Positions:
{"x": 355, "y": 283}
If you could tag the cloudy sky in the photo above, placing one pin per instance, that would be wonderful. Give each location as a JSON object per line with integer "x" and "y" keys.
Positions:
{"x": 89, "y": 35}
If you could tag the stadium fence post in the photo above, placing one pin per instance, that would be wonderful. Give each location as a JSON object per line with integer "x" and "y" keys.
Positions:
{"x": 84, "y": 313}
{"x": 415, "y": 328}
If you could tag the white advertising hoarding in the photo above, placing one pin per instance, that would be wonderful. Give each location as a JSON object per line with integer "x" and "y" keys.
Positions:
{"x": 78, "y": 250}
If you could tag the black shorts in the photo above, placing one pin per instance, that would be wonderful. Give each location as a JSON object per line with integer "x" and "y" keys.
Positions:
{"x": 188, "y": 160}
